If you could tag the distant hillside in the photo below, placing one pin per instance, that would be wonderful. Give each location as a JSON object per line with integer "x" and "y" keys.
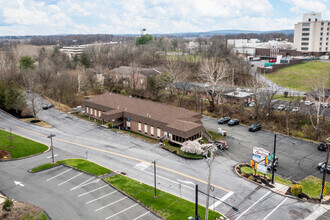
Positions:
{"x": 225, "y": 32}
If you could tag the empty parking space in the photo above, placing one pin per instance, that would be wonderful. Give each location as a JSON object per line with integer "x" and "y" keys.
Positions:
{"x": 92, "y": 196}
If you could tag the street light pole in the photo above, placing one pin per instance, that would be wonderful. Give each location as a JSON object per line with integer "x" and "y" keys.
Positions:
{"x": 273, "y": 162}
{"x": 51, "y": 145}
{"x": 196, "y": 202}
{"x": 325, "y": 170}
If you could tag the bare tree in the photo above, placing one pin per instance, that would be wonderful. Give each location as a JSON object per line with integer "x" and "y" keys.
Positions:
{"x": 269, "y": 96}
{"x": 256, "y": 85}
{"x": 213, "y": 72}
{"x": 134, "y": 76}
{"x": 317, "y": 111}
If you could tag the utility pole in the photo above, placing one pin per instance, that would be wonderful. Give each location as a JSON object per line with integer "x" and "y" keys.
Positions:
{"x": 273, "y": 162}
{"x": 209, "y": 161}
{"x": 155, "y": 180}
{"x": 51, "y": 145}
{"x": 325, "y": 171}
{"x": 196, "y": 202}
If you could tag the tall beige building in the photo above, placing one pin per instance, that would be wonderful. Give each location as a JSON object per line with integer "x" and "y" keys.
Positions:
{"x": 312, "y": 34}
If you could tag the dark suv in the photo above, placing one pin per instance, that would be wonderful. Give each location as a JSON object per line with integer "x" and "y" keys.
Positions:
{"x": 255, "y": 127}
{"x": 233, "y": 122}
{"x": 223, "y": 120}
{"x": 323, "y": 147}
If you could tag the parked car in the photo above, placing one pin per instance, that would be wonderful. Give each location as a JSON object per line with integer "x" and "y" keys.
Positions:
{"x": 309, "y": 103}
{"x": 221, "y": 144}
{"x": 296, "y": 109}
{"x": 233, "y": 122}
{"x": 321, "y": 166}
{"x": 325, "y": 105}
{"x": 47, "y": 106}
{"x": 255, "y": 127}
{"x": 281, "y": 107}
{"x": 322, "y": 147}
{"x": 223, "y": 120}
{"x": 252, "y": 104}
{"x": 287, "y": 108}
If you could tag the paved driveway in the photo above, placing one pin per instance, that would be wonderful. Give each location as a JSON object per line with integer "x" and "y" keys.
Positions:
{"x": 90, "y": 196}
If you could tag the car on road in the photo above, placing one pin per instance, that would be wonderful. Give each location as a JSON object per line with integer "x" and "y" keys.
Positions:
{"x": 309, "y": 103}
{"x": 221, "y": 144}
{"x": 233, "y": 122}
{"x": 296, "y": 109}
{"x": 270, "y": 163}
{"x": 224, "y": 120}
{"x": 255, "y": 127}
{"x": 281, "y": 107}
{"x": 47, "y": 106}
{"x": 321, "y": 166}
{"x": 322, "y": 147}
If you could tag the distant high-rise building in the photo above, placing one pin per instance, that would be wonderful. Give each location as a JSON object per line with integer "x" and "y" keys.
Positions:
{"x": 312, "y": 34}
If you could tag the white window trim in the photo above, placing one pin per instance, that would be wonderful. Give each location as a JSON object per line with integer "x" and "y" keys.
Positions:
{"x": 139, "y": 126}
{"x": 145, "y": 128}
{"x": 152, "y": 130}
{"x": 158, "y": 132}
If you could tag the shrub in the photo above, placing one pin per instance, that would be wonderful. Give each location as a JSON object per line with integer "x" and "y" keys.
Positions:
{"x": 296, "y": 190}
{"x": 286, "y": 94}
{"x": 251, "y": 178}
{"x": 110, "y": 125}
{"x": 27, "y": 112}
{"x": 123, "y": 92}
{"x": 166, "y": 142}
{"x": 6, "y": 206}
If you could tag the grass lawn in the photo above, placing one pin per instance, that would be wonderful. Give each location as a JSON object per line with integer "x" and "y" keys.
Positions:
{"x": 80, "y": 164}
{"x": 23, "y": 147}
{"x": 215, "y": 135}
{"x": 35, "y": 216}
{"x": 288, "y": 98}
{"x": 187, "y": 58}
{"x": 167, "y": 205}
{"x": 301, "y": 76}
{"x": 311, "y": 185}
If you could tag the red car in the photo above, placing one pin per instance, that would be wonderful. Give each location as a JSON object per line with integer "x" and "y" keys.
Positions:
{"x": 273, "y": 61}
{"x": 221, "y": 144}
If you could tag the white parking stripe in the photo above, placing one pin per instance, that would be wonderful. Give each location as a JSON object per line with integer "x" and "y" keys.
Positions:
{"x": 100, "y": 197}
{"x": 275, "y": 208}
{"x": 141, "y": 215}
{"x": 110, "y": 204}
{"x": 94, "y": 181}
{"x": 253, "y": 205}
{"x": 59, "y": 174}
{"x": 221, "y": 200}
{"x": 83, "y": 183}
{"x": 121, "y": 211}
{"x": 70, "y": 179}
{"x": 92, "y": 190}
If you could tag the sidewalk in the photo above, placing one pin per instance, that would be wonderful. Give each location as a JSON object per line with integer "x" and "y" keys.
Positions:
{"x": 280, "y": 188}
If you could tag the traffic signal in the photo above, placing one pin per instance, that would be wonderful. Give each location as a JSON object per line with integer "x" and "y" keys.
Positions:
{"x": 255, "y": 165}
{"x": 252, "y": 163}
{"x": 266, "y": 160}
{"x": 324, "y": 191}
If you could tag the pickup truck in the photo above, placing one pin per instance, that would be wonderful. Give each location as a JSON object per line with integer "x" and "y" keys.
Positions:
{"x": 221, "y": 144}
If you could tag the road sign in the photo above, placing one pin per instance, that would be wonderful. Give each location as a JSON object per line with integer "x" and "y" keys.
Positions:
{"x": 259, "y": 154}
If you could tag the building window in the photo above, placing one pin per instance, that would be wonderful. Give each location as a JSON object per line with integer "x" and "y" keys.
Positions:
{"x": 304, "y": 43}
{"x": 87, "y": 110}
{"x": 321, "y": 38}
{"x": 99, "y": 114}
{"x": 305, "y": 38}
{"x": 306, "y": 34}
{"x": 305, "y": 29}
{"x": 326, "y": 48}
{"x": 328, "y": 33}
{"x": 128, "y": 123}
{"x": 327, "y": 29}
{"x": 145, "y": 128}
{"x": 139, "y": 126}
{"x": 306, "y": 24}
{"x": 141, "y": 81}
{"x": 158, "y": 132}
{"x": 321, "y": 34}
{"x": 326, "y": 43}
{"x": 95, "y": 113}
{"x": 327, "y": 38}
{"x": 165, "y": 133}
{"x": 321, "y": 28}
{"x": 320, "y": 48}
{"x": 304, "y": 48}
{"x": 152, "y": 130}
{"x": 321, "y": 44}
{"x": 321, "y": 23}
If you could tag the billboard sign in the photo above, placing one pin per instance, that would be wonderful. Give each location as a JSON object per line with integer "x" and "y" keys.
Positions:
{"x": 259, "y": 155}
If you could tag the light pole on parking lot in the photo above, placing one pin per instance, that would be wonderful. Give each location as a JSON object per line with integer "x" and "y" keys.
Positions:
{"x": 51, "y": 145}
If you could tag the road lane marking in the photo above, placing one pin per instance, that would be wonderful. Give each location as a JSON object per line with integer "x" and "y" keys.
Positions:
{"x": 81, "y": 184}
{"x": 141, "y": 215}
{"x": 59, "y": 174}
{"x": 121, "y": 211}
{"x": 128, "y": 157}
{"x": 275, "y": 208}
{"x": 94, "y": 181}
{"x": 253, "y": 205}
{"x": 92, "y": 190}
{"x": 221, "y": 200}
{"x": 110, "y": 204}
{"x": 52, "y": 156}
{"x": 101, "y": 197}
{"x": 18, "y": 183}
{"x": 142, "y": 166}
{"x": 70, "y": 179}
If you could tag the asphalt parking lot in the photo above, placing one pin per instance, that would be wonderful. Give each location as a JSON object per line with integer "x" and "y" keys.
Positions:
{"x": 93, "y": 198}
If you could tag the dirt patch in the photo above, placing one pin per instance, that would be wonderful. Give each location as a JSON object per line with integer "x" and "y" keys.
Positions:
{"x": 5, "y": 155}
{"x": 19, "y": 210}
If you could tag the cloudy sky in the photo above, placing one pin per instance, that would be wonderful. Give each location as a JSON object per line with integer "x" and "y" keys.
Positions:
{"x": 45, "y": 17}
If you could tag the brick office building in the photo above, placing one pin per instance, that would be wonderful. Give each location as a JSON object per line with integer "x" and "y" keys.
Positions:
{"x": 149, "y": 118}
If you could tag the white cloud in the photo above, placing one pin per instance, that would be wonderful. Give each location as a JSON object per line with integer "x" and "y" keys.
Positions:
{"x": 301, "y": 6}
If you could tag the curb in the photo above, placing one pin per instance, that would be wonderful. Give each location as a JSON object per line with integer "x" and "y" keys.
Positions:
{"x": 271, "y": 189}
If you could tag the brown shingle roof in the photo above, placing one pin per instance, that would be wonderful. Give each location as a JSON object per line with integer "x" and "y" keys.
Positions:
{"x": 177, "y": 120}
